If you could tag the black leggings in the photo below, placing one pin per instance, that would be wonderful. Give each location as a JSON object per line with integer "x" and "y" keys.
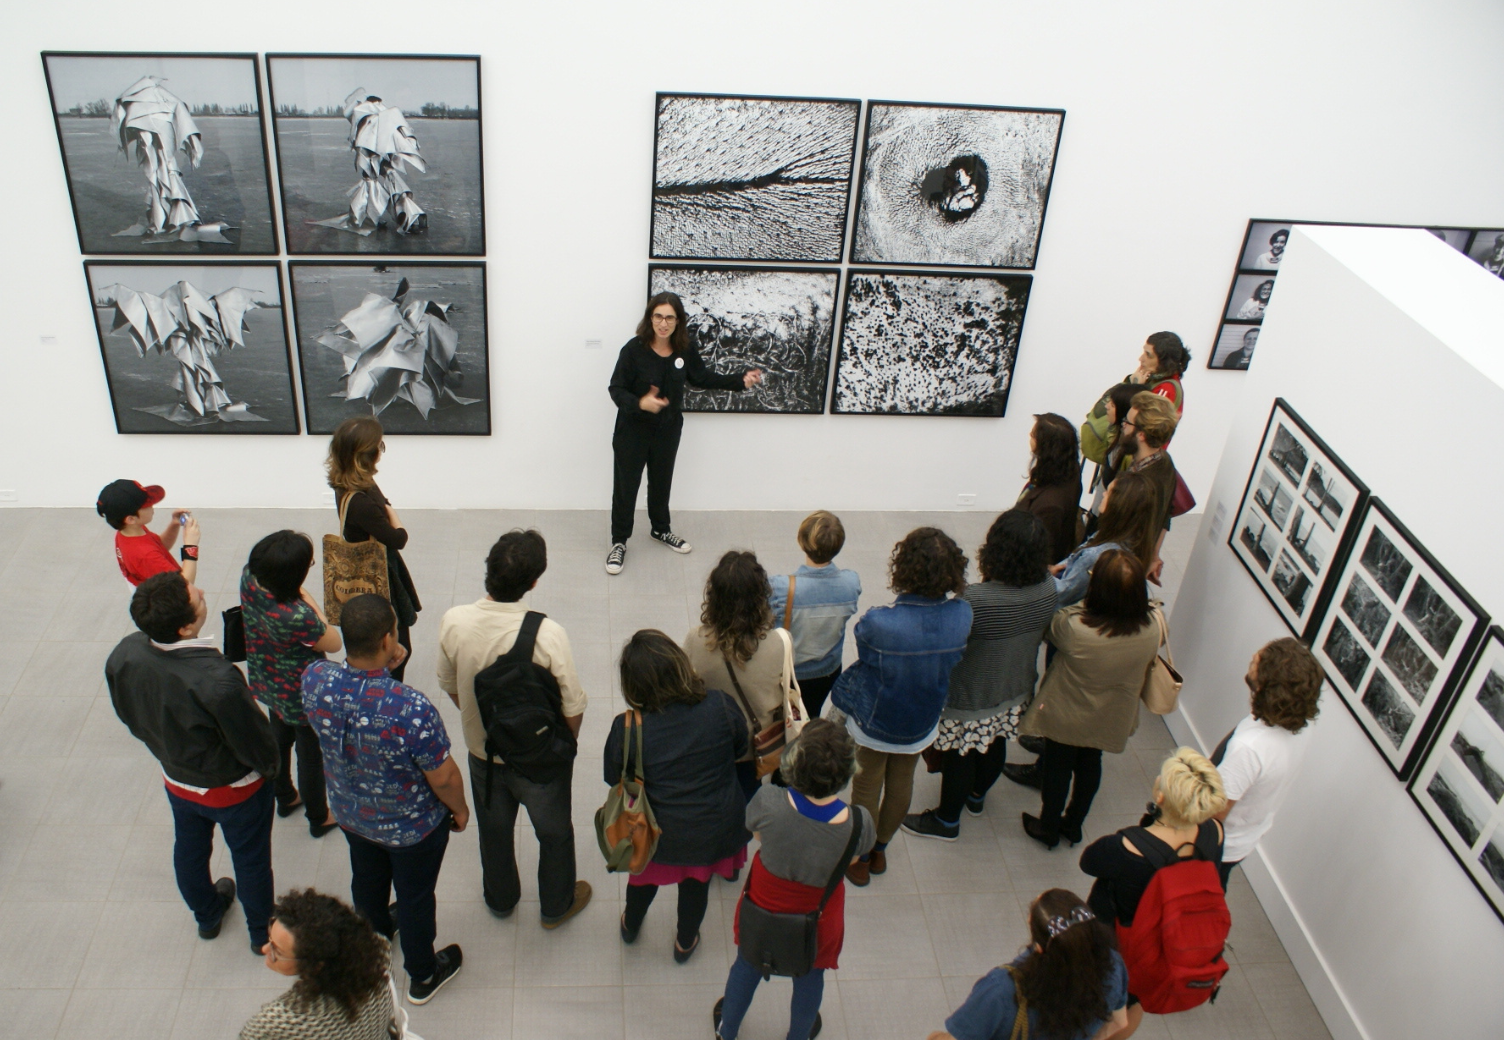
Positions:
{"x": 968, "y": 774}
{"x": 693, "y": 898}
{"x": 310, "y": 769}
{"x": 1058, "y": 767}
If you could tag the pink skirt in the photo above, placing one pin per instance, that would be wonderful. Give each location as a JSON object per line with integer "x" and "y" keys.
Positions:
{"x": 667, "y": 874}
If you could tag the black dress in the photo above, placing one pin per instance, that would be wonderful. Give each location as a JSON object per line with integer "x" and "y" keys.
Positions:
{"x": 365, "y": 519}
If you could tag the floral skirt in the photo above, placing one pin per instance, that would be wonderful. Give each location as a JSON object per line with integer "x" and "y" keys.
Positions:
{"x": 977, "y": 736}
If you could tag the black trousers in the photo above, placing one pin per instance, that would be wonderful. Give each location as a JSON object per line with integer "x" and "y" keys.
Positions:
{"x": 404, "y": 637}
{"x": 376, "y": 870}
{"x": 310, "y": 769}
{"x": 694, "y": 897}
{"x": 635, "y": 446}
{"x": 1064, "y": 769}
{"x": 548, "y": 807}
{"x": 814, "y": 691}
{"x": 968, "y": 775}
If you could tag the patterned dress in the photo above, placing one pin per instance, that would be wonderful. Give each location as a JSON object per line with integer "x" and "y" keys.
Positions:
{"x": 279, "y": 639}
{"x": 322, "y": 1019}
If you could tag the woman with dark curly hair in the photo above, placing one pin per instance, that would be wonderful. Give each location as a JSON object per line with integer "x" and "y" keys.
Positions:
{"x": 1261, "y": 757}
{"x": 691, "y": 739}
{"x": 1053, "y": 492}
{"x": 894, "y": 694}
{"x": 341, "y": 965}
{"x": 1010, "y": 609}
{"x": 1069, "y": 983}
{"x": 731, "y": 649}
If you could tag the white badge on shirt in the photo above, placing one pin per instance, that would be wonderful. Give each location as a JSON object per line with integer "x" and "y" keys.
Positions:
{"x": 678, "y": 362}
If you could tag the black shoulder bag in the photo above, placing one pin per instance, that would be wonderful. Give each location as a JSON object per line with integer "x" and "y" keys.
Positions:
{"x": 785, "y": 944}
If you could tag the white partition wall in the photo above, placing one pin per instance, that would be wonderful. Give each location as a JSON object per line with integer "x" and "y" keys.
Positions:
{"x": 1391, "y": 346}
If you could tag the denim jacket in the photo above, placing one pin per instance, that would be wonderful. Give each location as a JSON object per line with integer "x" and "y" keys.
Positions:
{"x": 824, "y": 600}
{"x": 1071, "y": 584}
{"x": 905, "y": 652}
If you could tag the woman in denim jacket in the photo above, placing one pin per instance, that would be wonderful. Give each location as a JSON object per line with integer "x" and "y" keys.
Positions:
{"x": 895, "y": 692}
{"x": 825, "y": 597}
{"x": 1130, "y": 521}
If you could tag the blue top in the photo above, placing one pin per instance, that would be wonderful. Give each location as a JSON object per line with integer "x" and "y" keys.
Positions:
{"x": 824, "y": 600}
{"x": 378, "y": 738}
{"x": 989, "y": 1011}
{"x": 1070, "y": 586}
{"x": 905, "y": 652}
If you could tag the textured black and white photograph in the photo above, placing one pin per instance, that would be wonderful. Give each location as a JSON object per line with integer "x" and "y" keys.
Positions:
{"x": 1488, "y": 250}
{"x": 929, "y": 344}
{"x": 1460, "y": 784}
{"x": 1249, "y": 297}
{"x": 165, "y": 154}
{"x": 752, "y": 178}
{"x": 379, "y": 153}
{"x": 1416, "y": 631}
{"x": 194, "y": 348}
{"x": 405, "y": 342}
{"x": 780, "y": 320}
{"x": 1264, "y": 245}
{"x": 1306, "y": 496}
{"x": 954, "y": 185}
{"x": 1233, "y": 351}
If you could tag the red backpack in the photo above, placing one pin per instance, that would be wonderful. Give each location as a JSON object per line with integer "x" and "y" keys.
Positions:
{"x": 1173, "y": 949}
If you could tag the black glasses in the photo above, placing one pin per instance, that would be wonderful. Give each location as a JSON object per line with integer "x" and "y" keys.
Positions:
{"x": 664, "y": 317}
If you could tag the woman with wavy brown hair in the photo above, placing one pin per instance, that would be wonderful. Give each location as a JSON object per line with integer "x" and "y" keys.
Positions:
{"x": 1053, "y": 492}
{"x": 733, "y": 652}
{"x": 341, "y": 965}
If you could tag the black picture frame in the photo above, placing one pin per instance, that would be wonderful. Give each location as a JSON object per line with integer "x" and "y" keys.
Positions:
{"x": 232, "y": 183}
{"x": 323, "y": 291}
{"x": 1457, "y": 785}
{"x": 871, "y": 357}
{"x": 257, "y": 381}
{"x": 1296, "y": 479}
{"x": 313, "y": 179}
{"x": 1397, "y": 637}
{"x": 1480, "y": 250}
{"x": 975, "y": 244}
{"x": 777, "y": 219}
{"x": 1232, "y": 350}
{"x": 796, "y": 375}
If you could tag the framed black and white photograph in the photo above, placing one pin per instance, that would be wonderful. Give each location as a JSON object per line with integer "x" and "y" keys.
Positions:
{"x": 194, "y": 347}
{"x": 778, "y": 319}
{"x": 1488, "y": 250}
{"x": 379, "y": 153}
{"x": 165, "y": 154}
{"x": 1249, "y": 297}
{"x": 1460, "y": 784}
{"x": 405, "y": 342}
{"x": 752, "y": 178}
{"x": 954, "y": 185}
{"x": 1457, "y": 238}
{"x": 1397, "y": 637}
{"x": 1296, "y": 517}
{"x": 1264, "y": 245}
{"x": 1235, "y": 345}
{"x": 917, "y": 343}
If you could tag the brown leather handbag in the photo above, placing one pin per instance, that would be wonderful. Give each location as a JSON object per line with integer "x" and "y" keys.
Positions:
{"x": 625, "y": 826}
{"x": 768, "y": 743}
{"x": 352, "y": 568}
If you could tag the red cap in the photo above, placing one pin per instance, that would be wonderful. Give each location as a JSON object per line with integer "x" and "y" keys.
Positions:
{"x": 123, "y": 498}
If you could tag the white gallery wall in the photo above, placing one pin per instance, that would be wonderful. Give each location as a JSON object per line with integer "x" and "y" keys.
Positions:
{"x": 1184, "y": 120}
{"x": 1388, "y": 344}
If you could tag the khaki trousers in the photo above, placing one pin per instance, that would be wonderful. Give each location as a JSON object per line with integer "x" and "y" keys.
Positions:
{"x": 884, "y": 785}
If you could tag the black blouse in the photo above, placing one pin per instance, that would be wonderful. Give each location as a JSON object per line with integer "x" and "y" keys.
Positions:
{"x": 638, "y": 368}
{"x": 1122, "y": 876}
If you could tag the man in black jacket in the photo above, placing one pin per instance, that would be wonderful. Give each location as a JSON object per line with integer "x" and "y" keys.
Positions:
{"x": 192, "y": 708}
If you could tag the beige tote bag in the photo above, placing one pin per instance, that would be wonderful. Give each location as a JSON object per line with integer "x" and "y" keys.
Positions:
{"x": 1162, "y": 684}
{"x": 352, "y": 568}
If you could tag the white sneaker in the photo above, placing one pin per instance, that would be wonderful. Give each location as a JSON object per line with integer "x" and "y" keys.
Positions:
{"x": 616, "y": 558}
{"x": 673, "y": 541}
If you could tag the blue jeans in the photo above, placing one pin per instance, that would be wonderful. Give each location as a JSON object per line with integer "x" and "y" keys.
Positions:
{"x": 809, "y": 990}
{"x": 375, "y": 870}
{"x": 247, "y": 830}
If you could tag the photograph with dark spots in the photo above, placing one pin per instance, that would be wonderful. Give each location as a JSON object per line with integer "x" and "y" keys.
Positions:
{"x": 1390, "y": 712}
{"x": 1389, "y": 567}
{"x": 1328, "y": 493}
{"x": 1261, "y": 540}
{"x": 1346, "y": 654}
{"x": 954, "y": 185}
{"x": 1292, "y": 582}
{"x": 1289, "y": 454}
{"x": 745, "y": 178}
{"x": 1273, "y": 498}
{"x": 1411, "y": 665}
{"x": 1367, "y": 611}
{"x": 1455, "y": 799}
{"x": 929, "y": 344}
{"x": 1481, "y": 752}
{"x": 1433, "y": 618}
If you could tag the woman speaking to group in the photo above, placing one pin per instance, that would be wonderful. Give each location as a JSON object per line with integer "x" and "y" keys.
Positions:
{"x": 648, "y": 388}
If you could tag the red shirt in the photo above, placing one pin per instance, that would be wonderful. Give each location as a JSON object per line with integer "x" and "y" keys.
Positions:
{"x": 142, "y": 556}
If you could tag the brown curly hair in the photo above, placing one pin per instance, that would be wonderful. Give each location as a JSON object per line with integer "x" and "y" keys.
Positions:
{"x": 927, "y": 562}
{"x": 736, "y": 613}
{"x": 339, "y": 954}
{"x": 1287, "y": 685}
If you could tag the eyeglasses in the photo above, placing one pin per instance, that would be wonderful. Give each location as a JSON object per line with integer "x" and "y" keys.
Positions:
{"x": 276, "y": 954}
{"x": 669, "y": 318}
{"x": 1125, "y": 422}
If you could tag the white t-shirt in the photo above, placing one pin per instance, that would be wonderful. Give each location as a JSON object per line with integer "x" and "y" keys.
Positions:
{"x": 1257, "y": 770}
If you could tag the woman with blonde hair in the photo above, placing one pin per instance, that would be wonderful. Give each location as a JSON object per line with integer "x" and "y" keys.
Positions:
{"x": 354, "y": 450}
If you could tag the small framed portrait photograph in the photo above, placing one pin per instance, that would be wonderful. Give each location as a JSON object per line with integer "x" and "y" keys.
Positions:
{"x": 1264, "y": 246}
{"x": 1234, "y": 349}
{"x": 1488, "y": 250}
{"x": 1456, "y": 237}
{"x": 1249, "y": 297}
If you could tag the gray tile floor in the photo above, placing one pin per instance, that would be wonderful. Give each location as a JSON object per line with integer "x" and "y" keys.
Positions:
{"x": 95, "y": 941}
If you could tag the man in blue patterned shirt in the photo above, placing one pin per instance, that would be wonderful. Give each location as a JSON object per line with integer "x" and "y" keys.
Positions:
{"x": 393, "y": 786}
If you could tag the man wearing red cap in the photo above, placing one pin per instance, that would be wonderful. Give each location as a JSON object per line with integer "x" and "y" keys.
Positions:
{"x": 127, "y": 506}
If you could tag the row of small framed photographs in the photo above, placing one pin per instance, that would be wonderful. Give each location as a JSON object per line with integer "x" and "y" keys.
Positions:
{"x": 1396, "y": 634}
{"x": 1259, "y": 263}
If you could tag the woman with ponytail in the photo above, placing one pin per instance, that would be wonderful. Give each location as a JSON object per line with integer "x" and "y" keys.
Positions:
{"x": 1069, "y": 983}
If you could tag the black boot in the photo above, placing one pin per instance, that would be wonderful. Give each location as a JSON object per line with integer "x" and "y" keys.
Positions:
{"x": 1027, "y": 775}
{"x": 1036, "y": 829}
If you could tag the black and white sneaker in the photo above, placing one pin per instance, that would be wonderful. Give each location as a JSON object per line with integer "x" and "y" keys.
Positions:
{"x": 928, "y": 825}
{"x": 616, "y": 559}
{"x": 450, "y": 958}
{"x": 673, "y": 541}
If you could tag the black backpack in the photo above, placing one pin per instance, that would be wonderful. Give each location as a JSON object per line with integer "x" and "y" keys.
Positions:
{"x": 523, "y": 712}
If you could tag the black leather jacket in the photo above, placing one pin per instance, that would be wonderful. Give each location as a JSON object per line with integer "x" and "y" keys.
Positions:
{"x": 192, "y": 708}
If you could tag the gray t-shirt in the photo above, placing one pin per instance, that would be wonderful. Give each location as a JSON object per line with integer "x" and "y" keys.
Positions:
{"x": 797, "y": 848}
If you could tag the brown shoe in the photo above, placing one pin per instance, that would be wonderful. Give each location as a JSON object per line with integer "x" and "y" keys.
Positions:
{"x": 859, "y": 874}
{"x": 879, "y": 862}
{"x": 582, "y": 894}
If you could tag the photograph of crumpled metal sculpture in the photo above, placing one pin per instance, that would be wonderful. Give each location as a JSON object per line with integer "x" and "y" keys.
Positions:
{"x": 194, "y": 348}
{"x": 164, "y": 154}
{"x": 954, "y": 185}
{"x": 379, "y": 154}
{"x": 406, "y": 342}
